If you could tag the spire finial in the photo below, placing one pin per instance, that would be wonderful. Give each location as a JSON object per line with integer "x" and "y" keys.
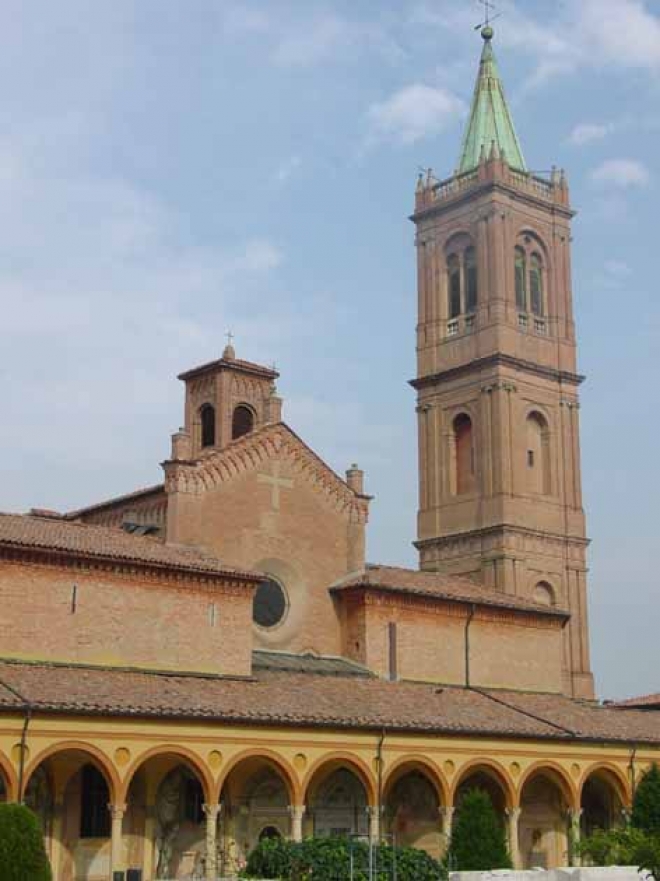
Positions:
{"x": 487, "y": 31}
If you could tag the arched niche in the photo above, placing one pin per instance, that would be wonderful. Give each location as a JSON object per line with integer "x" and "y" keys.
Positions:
{"x": 601, "y": 802}
{"x": 537, "y": 455}
{"x": 164, "y": 828}
{"x": 82, "y": 784}
{"x": 545, "y": 799}
{"x": 544, "y": 594}
{"x": 463, "y": 464}
{"x": 337, "y": 801}
{"x": 412, "y": 811}
{"x": 207, "y": 425}
{"x": 256, "y": 797}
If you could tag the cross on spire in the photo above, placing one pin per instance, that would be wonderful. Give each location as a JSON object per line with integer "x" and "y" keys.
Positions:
{"x": 488, "y": 6}
{"x": 230, "y": 337}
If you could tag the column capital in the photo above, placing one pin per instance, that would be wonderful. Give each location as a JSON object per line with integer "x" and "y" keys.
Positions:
{"x": 513, "y": 813}
{"x": 117, "y": 811}
{"x": 446, "y": 810}
{"x": 212, "y": 811}
{"x": 297, "y": 810}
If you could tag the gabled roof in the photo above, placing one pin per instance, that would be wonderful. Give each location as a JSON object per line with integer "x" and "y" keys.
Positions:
{"x": 490, "y": 124}
{"x": 303, "y": 699}
{"x": 452, "y": 588}
{"x": 24, "y": 532}
{"x": 250, "y": 451}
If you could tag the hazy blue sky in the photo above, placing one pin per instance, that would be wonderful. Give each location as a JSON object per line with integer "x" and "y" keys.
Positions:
{"x": 170, "y": 169}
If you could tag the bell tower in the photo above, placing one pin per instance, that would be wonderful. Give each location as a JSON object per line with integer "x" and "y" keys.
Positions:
{"x": 500, "y": 493}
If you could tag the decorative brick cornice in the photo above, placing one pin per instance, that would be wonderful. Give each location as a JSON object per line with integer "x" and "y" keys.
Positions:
{"x": 251, "y": 452}
{"x": 229, "y": 583}
{"x": 497, "y": 360}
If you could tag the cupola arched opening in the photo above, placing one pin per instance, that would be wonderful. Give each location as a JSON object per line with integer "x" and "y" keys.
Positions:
{"x": 207, "y": 422}
{"x": 242, "y": 421}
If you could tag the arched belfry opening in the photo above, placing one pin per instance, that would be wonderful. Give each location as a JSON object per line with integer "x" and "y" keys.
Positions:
{"x": 242, "y": 421}
{"x": 207, "y": 425}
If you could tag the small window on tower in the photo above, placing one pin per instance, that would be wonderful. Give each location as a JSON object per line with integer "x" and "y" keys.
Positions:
{"x": 207, "y": 419}
{"x": 530, "y": 458}
{"x": 536, "y": 284}
{"x": 470, "y": 280}
{"x": 521, "y": 280}
{"x": 242, "y": 421}
{"x": 454, "y": 283}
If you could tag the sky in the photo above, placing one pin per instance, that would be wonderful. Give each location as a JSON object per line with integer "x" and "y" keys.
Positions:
{"x": 173, "y": 170}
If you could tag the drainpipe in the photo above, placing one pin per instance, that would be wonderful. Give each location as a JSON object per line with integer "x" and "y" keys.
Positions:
{"x": 379, "y": 759}
{"x": 468, "y": 621}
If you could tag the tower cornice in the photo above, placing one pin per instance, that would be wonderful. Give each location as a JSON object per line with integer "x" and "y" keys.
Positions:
{"x": 498, "y": 359}
{"x": 449, "y": 194}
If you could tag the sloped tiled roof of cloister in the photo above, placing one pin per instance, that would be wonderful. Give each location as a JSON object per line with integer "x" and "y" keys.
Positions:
{"x": 56, "y": 535}
{"x": 454, "y": 588}
{"x": 307, "y": 700}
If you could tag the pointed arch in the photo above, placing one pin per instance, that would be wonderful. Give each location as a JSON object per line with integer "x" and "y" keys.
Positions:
{"x": 325, "y": 765}
{"x": 186, "y": 757}
{"x": 9, "y": 778}
{"x": 555, "y": 772}
{"x": 423, "y": 765}
{"x": 267, "y": 757}
{"x": 94, "y": 755}
{"x": 492, "y": 770}
{"x": 207, "y": 425}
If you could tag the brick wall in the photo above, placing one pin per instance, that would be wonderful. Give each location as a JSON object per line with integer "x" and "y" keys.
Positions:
{"x": 120, "y": 619}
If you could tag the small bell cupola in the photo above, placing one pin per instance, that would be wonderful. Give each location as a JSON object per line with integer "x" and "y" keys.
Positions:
{"x": 225, "y": 400}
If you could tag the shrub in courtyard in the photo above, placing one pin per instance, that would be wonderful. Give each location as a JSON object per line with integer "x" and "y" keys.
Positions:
{"x": 329, "y": 859}
{"x": 478, "y": 841}
{"x": 617, "y": 847}
{"x": 646, "y": 804}
{"x": 22, "y": 851}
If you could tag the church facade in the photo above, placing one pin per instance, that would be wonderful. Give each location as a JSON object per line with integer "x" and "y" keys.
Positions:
{"x": 206, "y": 662}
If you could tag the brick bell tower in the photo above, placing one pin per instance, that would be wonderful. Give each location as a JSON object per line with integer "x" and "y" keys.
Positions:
{"x": 500, "y": 493}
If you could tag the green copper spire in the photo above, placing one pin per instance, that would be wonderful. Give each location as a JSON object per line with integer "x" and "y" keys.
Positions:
{"x": 490, "y": 123}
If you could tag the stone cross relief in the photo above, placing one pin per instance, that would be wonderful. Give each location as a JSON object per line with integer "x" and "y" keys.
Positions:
{"x": 277, "y": 483}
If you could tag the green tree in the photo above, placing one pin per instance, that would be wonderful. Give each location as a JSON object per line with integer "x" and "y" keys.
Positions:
{"x": 478, "y": 841}
{"x": 22, "y": 851}
{"x": 646, "y": 804}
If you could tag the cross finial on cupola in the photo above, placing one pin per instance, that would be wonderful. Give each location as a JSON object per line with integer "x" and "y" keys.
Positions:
{"x": 229, "y": 353}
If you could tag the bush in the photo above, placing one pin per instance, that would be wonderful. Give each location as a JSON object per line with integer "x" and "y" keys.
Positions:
{"x": 618, "y": 847}
{"x": 22, "y": 851}
{"x": 478, "y": 841}
{"x": 329, "y": 859}
{"x": 646, "y": 804}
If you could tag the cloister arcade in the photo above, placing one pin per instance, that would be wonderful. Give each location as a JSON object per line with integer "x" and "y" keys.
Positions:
{"x": 171, "y": 814}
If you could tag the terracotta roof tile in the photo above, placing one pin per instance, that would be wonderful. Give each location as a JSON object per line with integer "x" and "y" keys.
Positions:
{"x": 646, "y": 701}
{"x": 285, "y": 698}
{"x": 233, "y": 364}
{"x": 435, "y": 584}
{"x": 104, "y": 542}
